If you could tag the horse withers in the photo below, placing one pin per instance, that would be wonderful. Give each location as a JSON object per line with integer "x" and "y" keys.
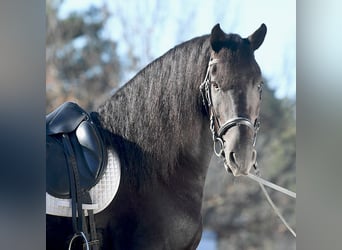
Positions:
{"x": 162, "y": 124}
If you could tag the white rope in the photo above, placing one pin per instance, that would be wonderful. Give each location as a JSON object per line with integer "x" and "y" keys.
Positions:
{"x": 276, "y": 210}
{"x": 272, "y": 185}
{"x": 263, "y": 182}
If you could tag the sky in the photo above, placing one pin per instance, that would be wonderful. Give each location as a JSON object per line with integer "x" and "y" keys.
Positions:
{"x": 276, "y": 57}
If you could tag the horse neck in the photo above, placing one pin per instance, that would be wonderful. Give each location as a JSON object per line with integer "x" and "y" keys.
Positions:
{"x": 160, "y": 111}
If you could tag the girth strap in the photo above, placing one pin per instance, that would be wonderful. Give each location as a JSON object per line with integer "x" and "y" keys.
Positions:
{"x": 94, "y": 242}
{"x": 75, "y": 188}
{"x": 78, "y": 197}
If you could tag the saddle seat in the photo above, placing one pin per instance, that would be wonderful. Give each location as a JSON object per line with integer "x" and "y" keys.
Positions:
{"x": 87, "y": 146}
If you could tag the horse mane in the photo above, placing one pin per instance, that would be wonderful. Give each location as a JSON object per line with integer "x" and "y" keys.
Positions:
{"x": 148, "y": 119}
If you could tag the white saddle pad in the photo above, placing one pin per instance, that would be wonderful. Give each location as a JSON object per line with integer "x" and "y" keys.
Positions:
{"x": 101, "y": 194}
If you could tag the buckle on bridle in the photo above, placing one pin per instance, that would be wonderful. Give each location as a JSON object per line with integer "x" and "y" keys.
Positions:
{"x": 220, "y": 152}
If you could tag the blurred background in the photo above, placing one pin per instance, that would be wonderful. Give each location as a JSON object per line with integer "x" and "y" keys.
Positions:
{"x": 94, "y": 47}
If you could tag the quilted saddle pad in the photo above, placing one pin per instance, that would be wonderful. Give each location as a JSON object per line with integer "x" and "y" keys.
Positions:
{"x": 101, "y": 194}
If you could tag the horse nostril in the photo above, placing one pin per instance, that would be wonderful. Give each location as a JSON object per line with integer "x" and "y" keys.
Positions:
{"x": 232, "y": 158}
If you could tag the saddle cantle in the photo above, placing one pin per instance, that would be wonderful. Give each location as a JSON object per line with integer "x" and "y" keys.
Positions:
{"x": 87, "y": 146}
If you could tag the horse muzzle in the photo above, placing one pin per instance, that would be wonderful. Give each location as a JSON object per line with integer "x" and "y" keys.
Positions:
{"x": 234, "y": 143}
{"x": 240, "y": 162}
{"x": 239, "y": 152}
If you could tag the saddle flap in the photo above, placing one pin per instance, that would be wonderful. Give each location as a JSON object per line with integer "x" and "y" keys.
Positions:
{"x": 92, "y": 148}
{"x": 57, "y": 178}
{"x": 65, "y": 118}
{"x": 87, "y": 147}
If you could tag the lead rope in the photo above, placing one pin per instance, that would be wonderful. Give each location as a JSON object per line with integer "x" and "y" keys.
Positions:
{"x": 261, "y": 182}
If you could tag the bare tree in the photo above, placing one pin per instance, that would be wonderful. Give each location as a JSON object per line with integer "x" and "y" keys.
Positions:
{"x": 82, "y": 64}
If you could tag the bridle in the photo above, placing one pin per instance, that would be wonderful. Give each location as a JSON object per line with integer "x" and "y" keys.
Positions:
{"x": 205, "y": 89}
{"x": 218, "y": 141}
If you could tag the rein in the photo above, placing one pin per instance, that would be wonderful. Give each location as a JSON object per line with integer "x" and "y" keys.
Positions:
{"x": 205, "y": 89}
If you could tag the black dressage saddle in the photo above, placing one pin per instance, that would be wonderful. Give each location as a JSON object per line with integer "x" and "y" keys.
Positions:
{"x": 76, "y": 159}
{"x": 72, "y": 138}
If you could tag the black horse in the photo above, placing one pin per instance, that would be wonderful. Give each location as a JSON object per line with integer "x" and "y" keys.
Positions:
{"x": 163, "y": 123}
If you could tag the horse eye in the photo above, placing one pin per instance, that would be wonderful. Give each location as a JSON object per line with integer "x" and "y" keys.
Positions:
{"x": 215, "y": 85}
{"x": 260, "y": 86}
{"x": 260, "y": 89}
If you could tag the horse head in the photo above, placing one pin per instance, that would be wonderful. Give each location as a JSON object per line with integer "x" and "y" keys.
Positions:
{"x": 232, "y": 92}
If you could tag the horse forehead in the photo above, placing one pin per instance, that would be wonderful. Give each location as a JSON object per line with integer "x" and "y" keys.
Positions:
{"x": 233, "y": 74}
{"x": 239, "y": 82}
{"x": 243, "y": 64}
{"x": 241, "y": 59}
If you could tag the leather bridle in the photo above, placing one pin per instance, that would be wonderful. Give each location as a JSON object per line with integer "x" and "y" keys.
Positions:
{"x": 205, "y": 89}
{"x": 216, "y": 129}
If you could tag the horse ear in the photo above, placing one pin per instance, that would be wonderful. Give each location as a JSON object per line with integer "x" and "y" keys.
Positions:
{"x": 257, "y": 38}
{"x": 217, "y": 38}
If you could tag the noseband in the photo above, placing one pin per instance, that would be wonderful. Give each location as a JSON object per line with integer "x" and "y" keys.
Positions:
{"x": 205, "y": 89}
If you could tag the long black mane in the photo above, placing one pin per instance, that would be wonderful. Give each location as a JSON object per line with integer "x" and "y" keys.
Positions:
{"x": 159, "y": 127}
{"x": 147, "y": 117}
